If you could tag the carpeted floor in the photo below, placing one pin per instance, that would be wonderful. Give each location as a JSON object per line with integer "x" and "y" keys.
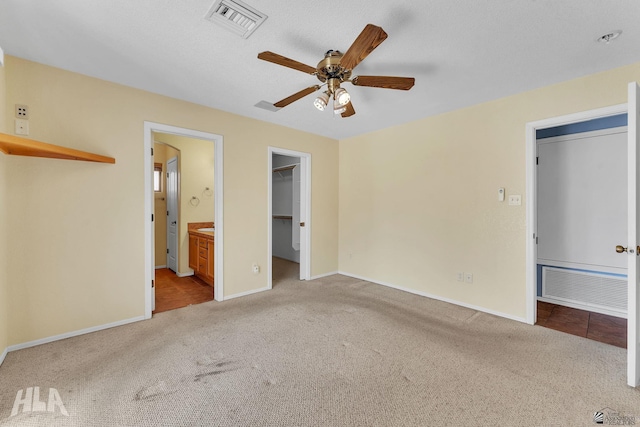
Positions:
{"x": 331, "y": 352}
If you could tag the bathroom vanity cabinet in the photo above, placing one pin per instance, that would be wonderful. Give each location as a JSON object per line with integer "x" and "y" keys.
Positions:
{"x": 201, "y": 253}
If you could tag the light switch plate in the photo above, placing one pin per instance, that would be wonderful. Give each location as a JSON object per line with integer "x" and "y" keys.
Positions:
{"x": 515, "y": 200}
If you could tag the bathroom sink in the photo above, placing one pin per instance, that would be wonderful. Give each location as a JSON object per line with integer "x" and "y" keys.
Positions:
{"x": 207, "y": 229}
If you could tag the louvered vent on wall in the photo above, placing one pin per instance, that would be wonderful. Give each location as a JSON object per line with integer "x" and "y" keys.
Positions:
{"x": 235, "y": 16}
{"x": 590, "y": 291}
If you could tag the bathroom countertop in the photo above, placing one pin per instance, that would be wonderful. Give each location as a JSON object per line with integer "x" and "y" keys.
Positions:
{"x": 192, "y": 228}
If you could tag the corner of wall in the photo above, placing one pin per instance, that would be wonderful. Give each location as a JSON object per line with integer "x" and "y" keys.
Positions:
{"x": 4, "y": 301}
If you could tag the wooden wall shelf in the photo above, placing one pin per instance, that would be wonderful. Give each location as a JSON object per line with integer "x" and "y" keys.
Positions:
{"x": 18, "y": 146}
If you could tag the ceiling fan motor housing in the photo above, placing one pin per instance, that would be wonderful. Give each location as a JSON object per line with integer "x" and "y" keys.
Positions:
{"x": 329, "y": 68}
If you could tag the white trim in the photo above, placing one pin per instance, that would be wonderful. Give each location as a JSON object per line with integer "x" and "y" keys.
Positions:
{"x": 1, "y": 65}
{"x": 320, "y": 276}
{"x": 149, "y": 128}
{"x": 305, "y": 158}
{"x": 3, "y": 355}
{"x": 74, "y": 333}
{"x": 187, "y": 274}
{"x": 530, "y": 151}
{"x": 160, "y": 266}
{"x": 244, "y": 294}
{"x": 439, "y": 298}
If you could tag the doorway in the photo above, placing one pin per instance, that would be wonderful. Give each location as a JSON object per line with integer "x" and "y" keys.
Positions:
{"x": 289, "y": 215}
{"x": 633, "y": 178}
{"x": 149, "y": 129}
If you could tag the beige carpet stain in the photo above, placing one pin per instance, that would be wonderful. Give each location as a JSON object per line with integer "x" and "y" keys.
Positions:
{"x": 331, "y": 352}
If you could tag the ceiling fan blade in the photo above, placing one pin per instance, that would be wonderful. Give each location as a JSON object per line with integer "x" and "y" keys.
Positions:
{"x": 288, "y": 100}
{"x": 350, "y": 111}
{"x": 287, "y": 62}
{"x": 366, "y": 42}
{"x": 386, "y": 82}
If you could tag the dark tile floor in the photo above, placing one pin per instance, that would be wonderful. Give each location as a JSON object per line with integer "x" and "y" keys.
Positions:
{"x": 595, "y": 326}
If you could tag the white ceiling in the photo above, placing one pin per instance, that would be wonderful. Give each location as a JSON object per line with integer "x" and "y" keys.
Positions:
{"x": 461, "y": 52}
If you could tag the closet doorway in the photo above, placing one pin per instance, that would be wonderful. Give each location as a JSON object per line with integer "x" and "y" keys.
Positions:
{"x": 288, "y": 215}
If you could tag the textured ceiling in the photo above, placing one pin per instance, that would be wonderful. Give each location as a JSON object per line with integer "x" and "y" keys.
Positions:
{"x": 461, "y": 52}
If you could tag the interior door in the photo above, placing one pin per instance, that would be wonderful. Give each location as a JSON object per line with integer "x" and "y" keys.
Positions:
{"x": 172, "y": 214}
{"x": 301, "y": 206}
{"x": 295, "y": 209}
{"x": 633, "y": 319}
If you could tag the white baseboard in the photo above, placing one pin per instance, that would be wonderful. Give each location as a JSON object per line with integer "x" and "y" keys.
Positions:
{"x": 320, "y": 276}
{"x": 185, "y": 274}
{"x": 244, "y": 294}
{"x": 3, "y": 355}
{"x": 72, "y": 334}
{"x": 439, "y": 298}
{"x": 160, "y": 266}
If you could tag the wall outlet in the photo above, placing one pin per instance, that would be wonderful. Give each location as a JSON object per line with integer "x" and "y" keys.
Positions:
{"x": 468, "y": 278}
{"x": 255, "y": 268}
{"x": 460, "y": 276}
{"x": 22, "y": 111}
{"x": 22, "y": 127}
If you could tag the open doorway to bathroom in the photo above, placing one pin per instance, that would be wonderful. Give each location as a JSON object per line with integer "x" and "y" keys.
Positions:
{"x": 184, "y": 174}
{"x": 150, "y": 130}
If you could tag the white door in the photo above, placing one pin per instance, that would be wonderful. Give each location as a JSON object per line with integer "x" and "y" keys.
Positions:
{"x": 633, "y": 319}
{"x": 172, "y": 214}
{"x": 300, "y": 207}
{"x": 295, "y": 213}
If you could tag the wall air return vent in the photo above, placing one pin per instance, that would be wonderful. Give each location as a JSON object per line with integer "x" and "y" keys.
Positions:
{"x": 235, "y": 16}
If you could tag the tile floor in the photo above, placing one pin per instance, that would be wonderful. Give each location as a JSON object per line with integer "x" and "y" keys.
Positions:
{"x": 175, "y": 292}
{"x": 595, "y": 326}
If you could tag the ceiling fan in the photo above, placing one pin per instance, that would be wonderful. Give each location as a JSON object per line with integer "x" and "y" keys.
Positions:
{"x": 336, "y": 68}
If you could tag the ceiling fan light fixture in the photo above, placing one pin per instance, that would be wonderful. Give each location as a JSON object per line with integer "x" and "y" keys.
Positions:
{"x": 321, "y": 101}
{"x": 337, "y": 107}
{"x": 342, "y": 96}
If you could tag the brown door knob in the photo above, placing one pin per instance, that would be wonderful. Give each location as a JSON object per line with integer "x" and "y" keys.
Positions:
{"x": 620, "y": 249}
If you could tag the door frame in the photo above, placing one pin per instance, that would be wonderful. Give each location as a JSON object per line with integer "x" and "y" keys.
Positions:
{"x": 305, "y": 176}
{"x": 531, "y": 193}
{"x": 149, "y": 273}
{"x": 177, "y": 213}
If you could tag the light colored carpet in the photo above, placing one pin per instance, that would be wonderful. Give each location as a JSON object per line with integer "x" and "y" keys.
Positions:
{"x": 331, "y": 352}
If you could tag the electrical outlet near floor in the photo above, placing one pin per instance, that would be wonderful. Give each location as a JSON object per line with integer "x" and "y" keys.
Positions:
{"x": 460, "y": 276}
{"x": 468, "y": 277}
{"x": 255, "y": 268}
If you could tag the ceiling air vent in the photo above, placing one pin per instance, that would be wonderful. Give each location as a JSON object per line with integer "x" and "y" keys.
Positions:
{"x": 235, "y": 16}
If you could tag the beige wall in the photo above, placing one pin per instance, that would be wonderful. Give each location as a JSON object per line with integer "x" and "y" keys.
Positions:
{"x": 196, "y": 174}
{"x": 77, "y": 229}
{"x": 4, "y": 302}
{"x": 418, "y": 202}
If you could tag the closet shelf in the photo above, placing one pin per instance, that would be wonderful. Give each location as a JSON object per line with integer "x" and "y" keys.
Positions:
{"x": 284, "y": 168}
{"x": 289, "y": 217}
{"x": 18, "y": 146}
